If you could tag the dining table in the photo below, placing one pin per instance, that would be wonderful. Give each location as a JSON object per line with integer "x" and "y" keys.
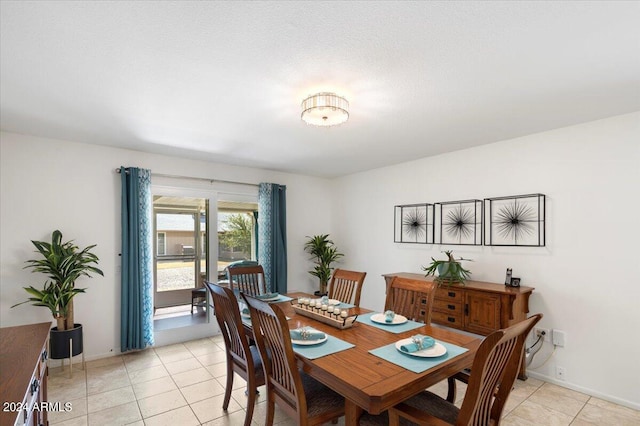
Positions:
{"x": 367, "y": 369}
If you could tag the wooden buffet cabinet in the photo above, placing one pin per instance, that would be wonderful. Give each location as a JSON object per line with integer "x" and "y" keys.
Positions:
{"x": 477, "y": 307}
{"x": 23, "y": 374}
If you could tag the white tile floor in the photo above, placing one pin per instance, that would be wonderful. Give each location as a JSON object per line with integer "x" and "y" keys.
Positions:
{"x": 183, "y": 384}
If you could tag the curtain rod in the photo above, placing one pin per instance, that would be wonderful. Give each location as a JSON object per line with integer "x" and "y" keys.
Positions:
{"x": 211, "y": 181}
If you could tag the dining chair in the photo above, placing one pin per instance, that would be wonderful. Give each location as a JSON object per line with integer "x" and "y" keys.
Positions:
{"x": 346, "y": 286}
{"x": 303, "y": 398}
{"x": 242, "y": 358}
{"x": 247, "y": 279}
{"x": 412, "y": 298}
{"x": 494, "y": 371}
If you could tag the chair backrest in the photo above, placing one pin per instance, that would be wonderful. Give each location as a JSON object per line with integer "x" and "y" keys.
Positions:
{"x": 495, "y": 366}
{"x": 346, "y": 286}
{"x": 247, "y": 279}
{"x": 272, "y": 337}
{"x": 227, "y": 313}
{"x": 411, "y": 298}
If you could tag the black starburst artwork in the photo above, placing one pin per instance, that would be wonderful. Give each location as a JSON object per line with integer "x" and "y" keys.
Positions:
{"x": 459, "y": 223}
{"x": 515, "y": 221}
{"x": 414, "y": 224}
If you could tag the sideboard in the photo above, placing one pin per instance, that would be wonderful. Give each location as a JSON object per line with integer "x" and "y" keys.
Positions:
{"x": 477, "y": 307}
{"x": 23, "y": 374}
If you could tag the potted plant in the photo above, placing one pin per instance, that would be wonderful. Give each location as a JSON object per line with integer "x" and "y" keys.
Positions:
{"x": 449, "y": 270}
{"x": 63, "y": 263}
{"x": 324, "y": 253}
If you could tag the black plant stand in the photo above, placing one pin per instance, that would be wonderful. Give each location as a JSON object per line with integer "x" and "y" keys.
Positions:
{"x": 66, "y": 344}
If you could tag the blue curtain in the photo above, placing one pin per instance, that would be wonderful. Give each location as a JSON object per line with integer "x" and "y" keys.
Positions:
{"x": 136, "y": 315}
{"x": 272, "y": 235}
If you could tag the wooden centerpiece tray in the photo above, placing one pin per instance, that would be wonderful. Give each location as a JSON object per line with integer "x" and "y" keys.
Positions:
{"x": 324, "y": 316}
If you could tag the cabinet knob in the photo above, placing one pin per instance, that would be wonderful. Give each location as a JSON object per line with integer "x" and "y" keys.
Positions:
{"x": 44, "y": 355}
{"x": 452, "y": 294}
{"x": 35, "y": 385}
{"x": 451, "y": 319}
{"x": 451, "y": 307}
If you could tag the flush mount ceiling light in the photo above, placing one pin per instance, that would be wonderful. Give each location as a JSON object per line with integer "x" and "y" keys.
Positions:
{"x": 325, "y": 109}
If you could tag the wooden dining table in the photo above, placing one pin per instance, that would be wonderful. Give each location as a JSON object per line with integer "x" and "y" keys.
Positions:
{"x": 366, "y": 381}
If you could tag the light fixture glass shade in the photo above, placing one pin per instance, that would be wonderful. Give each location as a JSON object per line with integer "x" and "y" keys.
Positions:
{"x": 325, "y": 109}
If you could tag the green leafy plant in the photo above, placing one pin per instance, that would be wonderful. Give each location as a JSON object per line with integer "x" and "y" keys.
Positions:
{"x": 449, "y": 270}
{"x": 63, "y": 263}
{"x": 324, "y": 253}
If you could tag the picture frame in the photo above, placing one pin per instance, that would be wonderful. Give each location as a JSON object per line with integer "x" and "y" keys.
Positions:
{"x": 515, "y": 220}
{"x": 459, "y": 222}
{"x": 515, "y": 282}
{"x": 413, "y": 223}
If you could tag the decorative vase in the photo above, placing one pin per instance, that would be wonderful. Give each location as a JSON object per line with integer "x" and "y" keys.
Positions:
{"x": 444, "y": 274}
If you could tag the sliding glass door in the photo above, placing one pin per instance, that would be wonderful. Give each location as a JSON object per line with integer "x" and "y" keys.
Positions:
{"x": 180, "y": 261}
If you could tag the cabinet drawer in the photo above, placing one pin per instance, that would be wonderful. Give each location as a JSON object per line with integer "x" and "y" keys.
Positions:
{"x": 450, "y": 294}
{"x": 447, "y": 306}
{"x": 450, "y": 320}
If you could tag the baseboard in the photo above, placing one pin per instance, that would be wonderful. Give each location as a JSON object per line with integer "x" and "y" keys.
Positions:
{"x": 591, "y": 392}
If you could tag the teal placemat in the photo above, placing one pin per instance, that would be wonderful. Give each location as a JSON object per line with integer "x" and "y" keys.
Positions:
{"x": 331, "y": 346}
{"x": 414, "y": 363}
{"x": 398, "y": 328}
{"x": 343, "y": 305}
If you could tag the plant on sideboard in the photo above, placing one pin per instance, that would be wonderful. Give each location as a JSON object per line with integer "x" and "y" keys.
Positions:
{"x": 449, "y": 270}
{"x": 63, "y": 263}
{"x": 324, "y": 253}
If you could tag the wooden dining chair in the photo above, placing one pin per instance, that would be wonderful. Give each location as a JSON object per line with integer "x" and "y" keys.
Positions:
{"x": 411, "y": 298}
{"x": 303, "y": 398}
{"x": 247, "y": 279}
{"x": 346, "y": 286}
{"x": 242, "y": 358}
{"x": 495, "y": 368}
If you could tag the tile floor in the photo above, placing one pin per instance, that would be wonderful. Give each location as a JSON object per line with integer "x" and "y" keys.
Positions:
{"x": 183, "y": 384}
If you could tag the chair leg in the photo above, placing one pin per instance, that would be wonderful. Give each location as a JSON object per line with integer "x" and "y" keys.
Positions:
{"x": 270, "y": 409}
{"x": 251, "y": 402}
{"x": 451, "y": 392}
{"x": 229, "y": 387}
{"x": 394, "y": 418}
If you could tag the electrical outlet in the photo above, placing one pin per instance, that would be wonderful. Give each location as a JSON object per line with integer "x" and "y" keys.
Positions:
{"x": 558, "y": 338}
{"x": 560, "y": 373}
{"x": 545, "y": 332}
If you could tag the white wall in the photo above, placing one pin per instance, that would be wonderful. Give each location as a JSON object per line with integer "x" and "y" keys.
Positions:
{"x": 49, "y": 184}
{"x": 586, "y": 278}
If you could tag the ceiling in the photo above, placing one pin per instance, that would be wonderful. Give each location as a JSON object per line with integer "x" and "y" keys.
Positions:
{"x": 223, "y": 81}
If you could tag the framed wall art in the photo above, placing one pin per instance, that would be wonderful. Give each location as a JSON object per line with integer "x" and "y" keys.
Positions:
{"x": 413, "y": 224}
{"x": 458, "y": 222}
{"x": 517, "y": 220}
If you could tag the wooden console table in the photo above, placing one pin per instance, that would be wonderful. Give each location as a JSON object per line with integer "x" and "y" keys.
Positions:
{"x": 23, "y": 374}
{"x": 477, "y": 307}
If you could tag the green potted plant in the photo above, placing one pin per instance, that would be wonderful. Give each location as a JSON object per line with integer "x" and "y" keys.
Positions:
{"x": 63, "y": 263}
{"x": 449, "y": 270}
{"x": 324, "y": 253}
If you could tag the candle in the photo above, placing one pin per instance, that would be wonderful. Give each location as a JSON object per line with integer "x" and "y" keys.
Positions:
{"x": 344, "y": 314}
{"x": 336, "y": 311}
{"x": 324, "y": 307}
{"x": 330, "y": 308}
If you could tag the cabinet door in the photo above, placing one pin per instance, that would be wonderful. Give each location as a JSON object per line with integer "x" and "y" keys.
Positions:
{"x": 482, "y": 312}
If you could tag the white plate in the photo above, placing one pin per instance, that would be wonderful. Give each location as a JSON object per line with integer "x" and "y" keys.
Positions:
{"x": 432, "y": 352}
{"x": 380, "y": 319}
{"x": 309, "y": 342}
{"x": 270, "y": 299}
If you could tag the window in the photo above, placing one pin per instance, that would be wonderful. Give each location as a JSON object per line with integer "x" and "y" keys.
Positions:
{"x": 161, "y": 243}
{"x": 236, "y": 233}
